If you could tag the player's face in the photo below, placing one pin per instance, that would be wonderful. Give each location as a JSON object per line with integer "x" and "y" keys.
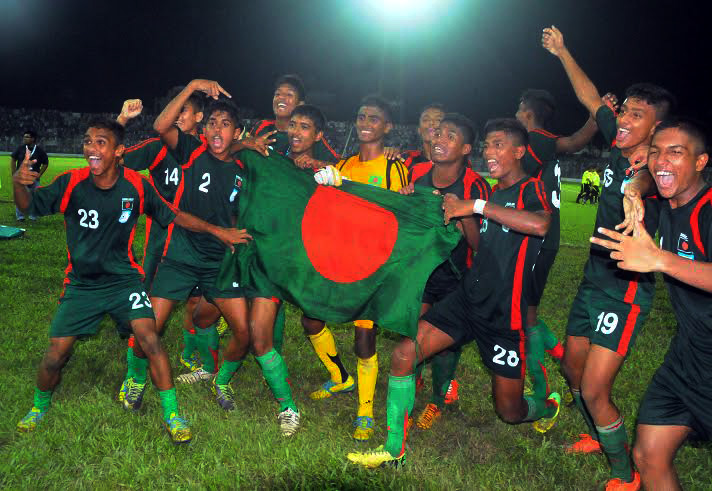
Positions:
{"x": 285, "y": 99}
{"x": 220, "y": 131}
{"x": 188, "y": 119}
{"x": 371, "y": 124}
{"x": 429, "y": 122}
{"x": 636, "y": 123}
{"x": 28, "y": 139}
{"x": 675, "y": 164}
{"x": 523, "y": 114}
{"x": 501, "y": 154}
{"x": 448, "y": 144}
{"x": 100, "y": 150}
{"x": 302, "y": 134}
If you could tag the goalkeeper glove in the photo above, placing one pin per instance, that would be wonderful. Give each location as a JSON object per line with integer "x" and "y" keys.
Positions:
{"x": 329, "y": 176}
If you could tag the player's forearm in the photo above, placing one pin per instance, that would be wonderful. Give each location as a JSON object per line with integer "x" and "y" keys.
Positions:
{"x": 578, "y": 140}
{"x": 522, "y": 221}
{"x": 641, "y": 185}
{"x": 694, "y": 273}
{"x": 471, "y": 230}
{"x": 585, "y": 90}
{"x": 22, "y": 196}
{"x": 122, "y": 120}
{"x": 195, "y": 224}
{"x": 164, "y": 121}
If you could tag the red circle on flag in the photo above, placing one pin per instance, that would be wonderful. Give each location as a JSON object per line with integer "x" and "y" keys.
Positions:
{"x": 346, "y": 237}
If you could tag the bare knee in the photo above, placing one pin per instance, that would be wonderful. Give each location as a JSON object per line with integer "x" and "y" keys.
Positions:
{"x": 403, "y": 358}
{"x": 55, "y": 359}
{"x": 312, "y": 326}
{"x": 594, "y": 395}
{"x": 510, "y": 412}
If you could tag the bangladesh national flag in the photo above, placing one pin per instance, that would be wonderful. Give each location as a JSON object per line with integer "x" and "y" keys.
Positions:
{"x": 339, "y": 254}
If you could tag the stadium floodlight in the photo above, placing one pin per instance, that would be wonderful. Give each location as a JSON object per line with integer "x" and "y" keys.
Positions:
{"x": 408, "y": 11}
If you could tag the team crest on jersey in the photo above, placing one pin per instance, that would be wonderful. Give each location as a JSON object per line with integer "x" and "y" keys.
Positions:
{"x": 683, "y": 247}
{"x": 374, "y": 180}
{"x": 236, "y": 188}
{"x": 126, "y": 208}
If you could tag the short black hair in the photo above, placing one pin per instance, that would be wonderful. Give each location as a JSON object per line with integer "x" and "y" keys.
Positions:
{"x": 196, "y": 99}
{"x": 512, "y": 127}
{"x": 374, "y": 100}
{"x": 463, "y": 124}
{"x": 658, "y": 97}
{"x": 32, "y": 133}
{"x": 433, "y": 105}
{"x": 294, "y": 81}
{"x": 694, "y": 129}
{"x": 109, "y": 124}
{"x": 313, "y": 113}
{"x": 541, "y": 103}
{"x": 224, "y": 105}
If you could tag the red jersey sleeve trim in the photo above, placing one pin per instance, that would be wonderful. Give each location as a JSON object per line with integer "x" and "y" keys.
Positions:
{"x": 262, "y": 125}
{"x": 695, "y": 221}
{"x": 328, "y": 147}
{"x": 140, "y": 145}
{"x": 194, "y": 155}
{"x": 419, "y": 170}
{"x": 77, "y": 176}
{"x": 161, "y": 155}
{"x": 547, "y": 134}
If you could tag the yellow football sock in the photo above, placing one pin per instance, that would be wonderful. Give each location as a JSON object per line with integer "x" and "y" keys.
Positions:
{"x": 367, "y": 374}
{"x": 326, "y": 351}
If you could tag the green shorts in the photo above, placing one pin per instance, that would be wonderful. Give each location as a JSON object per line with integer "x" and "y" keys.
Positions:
{"x": 150, "y": 265}
{"x": 81, "y": 309}
{"x": 604, "y": 320}
{"x": 177, "y": 281}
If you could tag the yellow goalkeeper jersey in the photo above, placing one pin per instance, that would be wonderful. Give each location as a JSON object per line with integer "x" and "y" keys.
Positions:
{"x": 381, "y": 172}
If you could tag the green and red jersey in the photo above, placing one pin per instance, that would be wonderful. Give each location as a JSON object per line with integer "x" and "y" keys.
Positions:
{"x": 505, "y": 258}
{"x": 321, "y": 150}
{"x": 687, "y": 232}
{"x": 100, "y": 223}
{"x": 540, "y": 161}
{"x": 469, "y": 185}
{"x": 600, "y": 269}
{"x": 209, "y": 190}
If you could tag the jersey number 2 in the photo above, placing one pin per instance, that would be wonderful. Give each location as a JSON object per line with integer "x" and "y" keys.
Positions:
{"x": 206, "y": 182}
{"x": 88, "y": 219}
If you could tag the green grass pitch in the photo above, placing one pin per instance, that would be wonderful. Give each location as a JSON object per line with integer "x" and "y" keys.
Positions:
{"x": 88, "y": 441}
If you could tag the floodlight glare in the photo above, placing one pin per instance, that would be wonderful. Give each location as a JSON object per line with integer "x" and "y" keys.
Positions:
{"x": 403, "y": 10}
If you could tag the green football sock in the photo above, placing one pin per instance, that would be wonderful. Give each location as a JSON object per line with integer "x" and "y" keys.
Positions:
{"x": 227, "y": 370}
{"x": 581, "y": 405}
{"x": 208, "y": 341}
{"x": 278, "y": 330}
{"x": 140, "y": 366}
{"x": 548, "y": 337}
{"x": 129, "y": 359}
{"x": 275, "y": 372}
{"x": 538, "y": 408}
{"x": 169, "y": 402}
{"x": 189, "y": 342}
{"x": 535, "y": 358}
{"x": 614, "y": 441}
{"x": 42, "y": 399}
{"x": 443, "y": 366}
{"x": 399, "y": 404}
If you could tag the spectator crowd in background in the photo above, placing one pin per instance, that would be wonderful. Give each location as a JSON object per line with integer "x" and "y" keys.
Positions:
{"x": 62, "y": 132}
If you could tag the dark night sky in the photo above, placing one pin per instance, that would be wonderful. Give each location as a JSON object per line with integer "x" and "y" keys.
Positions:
{"x": 475, "y": 56}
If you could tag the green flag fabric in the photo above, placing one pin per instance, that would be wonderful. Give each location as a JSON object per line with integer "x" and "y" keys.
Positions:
{"x": 339, "y": 254}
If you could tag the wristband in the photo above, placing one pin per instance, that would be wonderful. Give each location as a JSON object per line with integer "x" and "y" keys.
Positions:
{"x": 479, "y": 206}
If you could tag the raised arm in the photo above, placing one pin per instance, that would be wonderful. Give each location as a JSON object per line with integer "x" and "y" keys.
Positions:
{"x": 164, "y": 122}
{"x": 578, "y": 140}
{"x": 586, "y": 91}
{"x": 130, "y": 109}
{"x": 24, "y": 176}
